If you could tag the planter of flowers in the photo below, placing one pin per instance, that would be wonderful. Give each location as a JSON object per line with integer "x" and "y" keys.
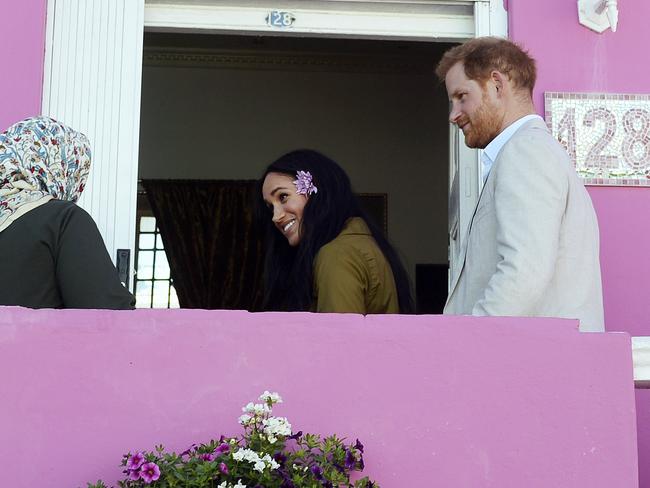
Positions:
{"x": 266, "y": 455}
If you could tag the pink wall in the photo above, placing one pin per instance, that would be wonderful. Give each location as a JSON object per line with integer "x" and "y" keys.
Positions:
{"x": 541, "y": 435}
{"x": 572, "y": 58}
{"x": 437, "y": 401}
{"x": 22, "y": 37}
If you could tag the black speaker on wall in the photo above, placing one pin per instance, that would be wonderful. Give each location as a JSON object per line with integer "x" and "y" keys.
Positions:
{"x": 430, "y": 288}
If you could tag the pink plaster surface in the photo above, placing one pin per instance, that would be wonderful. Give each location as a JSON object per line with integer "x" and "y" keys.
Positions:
{"x": 22, "y": 37}
{"x": 573, "y": 58}
{"x": 437, "y": 401}
{"x": 576, "y": 59}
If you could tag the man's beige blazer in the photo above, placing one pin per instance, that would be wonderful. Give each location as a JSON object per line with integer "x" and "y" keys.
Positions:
{"x": 532, "y": 247}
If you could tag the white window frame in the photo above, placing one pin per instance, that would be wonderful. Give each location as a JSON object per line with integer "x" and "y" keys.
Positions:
{"x": 93, "y": 72}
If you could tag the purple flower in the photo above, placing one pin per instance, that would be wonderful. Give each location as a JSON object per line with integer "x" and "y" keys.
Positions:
{"x": 149, "y": 472}
{"x": 135, "y": 461}
{"x": 358, "y": 446}
{"x": 350, "y": 460}
{"x": 317, "y": 471}
{"x": 134, "y": 474}
{"x": 280, "y": 458}
{"x": 223, "y": 468}
{"x": 208, "y": 456}
{"x": 304, "y": 184}
{"x": 295, "y": 436}
{"x": 225, "y": 447}
{"x": 188, "y": 450}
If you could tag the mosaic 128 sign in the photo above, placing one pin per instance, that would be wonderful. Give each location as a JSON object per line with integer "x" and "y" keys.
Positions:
{"x": 606, "y": 135}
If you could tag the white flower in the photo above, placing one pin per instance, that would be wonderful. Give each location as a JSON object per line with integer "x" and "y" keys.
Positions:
{"x": 239, "y": 484}
{"x": 257, "y": 409}
{"x": 272, "y": 439}
{"x": 223, "y": 485}
{"x": 274, "y": 464}
{"x": 259, "y": 466}
{"x": 245, "y": 419}
{"x": 275, "y": 426}
{"x": 274, "y": 397}
{"x": 238, "y": 456}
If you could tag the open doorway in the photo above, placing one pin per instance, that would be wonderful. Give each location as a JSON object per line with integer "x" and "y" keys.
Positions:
{"x": 93, "y": 80}
{"x": 222, "y": 107}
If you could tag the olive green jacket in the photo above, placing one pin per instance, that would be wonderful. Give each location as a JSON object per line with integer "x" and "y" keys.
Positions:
{"x": 351, "y": 274}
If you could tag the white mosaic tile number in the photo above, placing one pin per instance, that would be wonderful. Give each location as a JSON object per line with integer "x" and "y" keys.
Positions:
{"x": 606, "y": 135}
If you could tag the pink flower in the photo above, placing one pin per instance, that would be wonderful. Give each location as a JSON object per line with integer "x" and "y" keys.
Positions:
{"x": 223, "y": 468}
{"x": 135, "y": 461}
{"x": 304, "y": 184}
{"x": 149, "y": 472}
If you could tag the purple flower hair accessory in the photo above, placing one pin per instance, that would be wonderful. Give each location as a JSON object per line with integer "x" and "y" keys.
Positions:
{"x": 304, "y": 183}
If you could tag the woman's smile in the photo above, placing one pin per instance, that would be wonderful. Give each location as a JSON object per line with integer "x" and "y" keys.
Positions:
{"x": 288, "y": 226}
{"x": 286, "y": 205}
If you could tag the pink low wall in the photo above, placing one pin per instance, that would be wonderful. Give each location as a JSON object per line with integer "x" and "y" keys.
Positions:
{"x": 437, "y": 401}
{"x": 22, "y": 37}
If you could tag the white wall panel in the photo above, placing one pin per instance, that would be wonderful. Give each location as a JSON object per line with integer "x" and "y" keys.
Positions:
{"x": 93, "y": 70}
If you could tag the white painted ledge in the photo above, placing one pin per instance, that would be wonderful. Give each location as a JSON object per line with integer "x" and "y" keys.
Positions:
{"x": 641, "y": 361}
{"x": 444, "y": 20}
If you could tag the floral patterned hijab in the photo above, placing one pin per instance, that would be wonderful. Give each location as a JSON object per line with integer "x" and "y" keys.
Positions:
{"x": 40, "y": 160}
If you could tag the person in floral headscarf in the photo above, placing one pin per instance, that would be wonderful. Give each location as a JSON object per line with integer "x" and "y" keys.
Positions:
{"x": 52, "y": 253}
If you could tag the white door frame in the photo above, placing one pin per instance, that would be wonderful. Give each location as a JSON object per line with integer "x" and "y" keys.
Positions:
{"x": 92, "y": 77}
{"x": 93, "y": 71}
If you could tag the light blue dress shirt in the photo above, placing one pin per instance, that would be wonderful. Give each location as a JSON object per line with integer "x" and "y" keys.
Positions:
{"x": 492, "y": 150}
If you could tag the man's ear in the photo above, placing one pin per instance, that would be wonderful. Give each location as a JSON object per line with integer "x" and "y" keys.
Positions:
{"x": 500, "y": 82}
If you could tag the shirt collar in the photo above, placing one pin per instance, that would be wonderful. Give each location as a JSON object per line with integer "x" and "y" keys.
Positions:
{"x": 355, "y": 225}
{"x": 493, "y": 149}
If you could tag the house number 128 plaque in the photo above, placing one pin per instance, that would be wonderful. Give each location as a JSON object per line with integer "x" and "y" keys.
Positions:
{"x": 606, "y": 135}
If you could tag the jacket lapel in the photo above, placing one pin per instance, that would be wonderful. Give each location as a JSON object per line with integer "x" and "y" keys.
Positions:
{"x": 463, "y": 249}
{"x": 463, "y": 255}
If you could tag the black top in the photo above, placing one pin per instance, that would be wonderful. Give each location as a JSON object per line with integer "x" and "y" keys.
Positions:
{"x": 54, "y": 257}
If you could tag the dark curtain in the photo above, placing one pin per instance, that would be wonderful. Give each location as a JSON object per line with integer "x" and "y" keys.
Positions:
{"x": 211, "y": 241}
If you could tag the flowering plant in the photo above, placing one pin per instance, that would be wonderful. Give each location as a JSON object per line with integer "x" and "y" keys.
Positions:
{"x": 267, "y": 455}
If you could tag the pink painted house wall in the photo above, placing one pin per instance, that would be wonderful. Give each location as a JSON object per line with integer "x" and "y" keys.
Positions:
{"x": 22, "y": 37}
{"x": 458, "y": 402}
{"x": 572, "y": 58}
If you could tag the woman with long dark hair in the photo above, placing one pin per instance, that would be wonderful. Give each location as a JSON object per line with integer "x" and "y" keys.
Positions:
{"x": 322, "y": 252}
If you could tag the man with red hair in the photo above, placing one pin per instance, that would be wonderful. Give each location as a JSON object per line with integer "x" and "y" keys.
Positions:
{"x": 532, "y": 247}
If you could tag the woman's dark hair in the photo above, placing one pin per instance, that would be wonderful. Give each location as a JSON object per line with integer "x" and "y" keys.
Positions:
{"x": 288, "y": 271}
